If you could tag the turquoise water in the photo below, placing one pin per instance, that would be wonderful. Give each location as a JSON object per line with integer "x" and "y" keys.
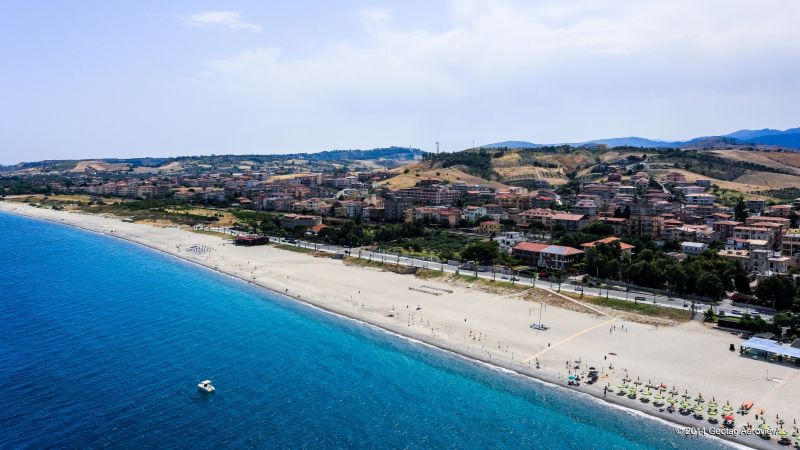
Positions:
{"x": 102, "y": 343}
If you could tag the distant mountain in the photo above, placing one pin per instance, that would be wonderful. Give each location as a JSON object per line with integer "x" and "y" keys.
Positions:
{"x": 631, "y": 141}
{"x": 512, "y": 144}
{"x": 787, "y": 138}
{"x": 752, "y": 134}
{"x": 780, "y": 140}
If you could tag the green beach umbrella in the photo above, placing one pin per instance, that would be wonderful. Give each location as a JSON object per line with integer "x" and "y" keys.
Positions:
{"x": 685, "y": 405}
{"x": 712, "y": 404}
{"x": 727, "y": 408}
{"x": 672, "y": 400}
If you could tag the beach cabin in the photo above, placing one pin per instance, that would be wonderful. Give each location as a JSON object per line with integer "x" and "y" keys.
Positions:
{"x": 250, "y": 240}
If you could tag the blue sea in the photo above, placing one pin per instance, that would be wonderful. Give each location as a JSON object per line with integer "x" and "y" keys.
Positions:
{"x": 103, "y": 342}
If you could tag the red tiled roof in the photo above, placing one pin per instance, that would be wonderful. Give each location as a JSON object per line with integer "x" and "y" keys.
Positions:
{"x": 547, "y": 248}
{"x": 318, "y": 228}
{"x": 563, "y": 216}
{"x": 608, "y": 240}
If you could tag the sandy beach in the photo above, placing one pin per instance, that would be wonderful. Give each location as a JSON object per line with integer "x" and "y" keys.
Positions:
{"x": 491, "y": 327}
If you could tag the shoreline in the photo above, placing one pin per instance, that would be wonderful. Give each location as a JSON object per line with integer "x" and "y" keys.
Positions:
{"x": 635, "y": 407}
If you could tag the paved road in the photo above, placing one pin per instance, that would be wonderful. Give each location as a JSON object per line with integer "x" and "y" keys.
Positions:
{"x": 633, "y": 295}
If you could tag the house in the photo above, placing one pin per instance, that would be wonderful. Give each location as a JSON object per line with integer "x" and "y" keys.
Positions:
{"x": 433, "y": 195}
{"x": 626, "y": 248}
{"x": 508, "y": 240}
{"x": 646, "y": 225}
{"x": 619, "y": 225}
{"x": 584, "y": 208}
{"x": 541, "y": 216}
{"x": 747, "y": 232}
{"x": 489, "y": 227}
{"x": 693, "y": 248}
{"x": 675, "y": 177}
{"x": 351, "y": 209}
{"x": 756, "y": 205}
{"x": 790, "y": 245}
{"x": 700, "y": 199}
{"x": 546, "y": 255}
{"x": 760, "y": 261}
{"x": 780, "y": 210}
{"x": 292, "y": 221}
{"x": 782, "y": 221}
{"x": 725, "y": 228}
{"x": 570, "y": 222}
{"x": 704, "y": 182}
{"x": 436, "y": 214}
{"x": 542, "y": 201}
{"x": 473, "y": 213}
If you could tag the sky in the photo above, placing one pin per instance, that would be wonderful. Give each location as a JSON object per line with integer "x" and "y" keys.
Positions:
{"x": 132, "y": 78}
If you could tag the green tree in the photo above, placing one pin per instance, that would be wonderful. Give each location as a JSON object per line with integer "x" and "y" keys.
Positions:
{"x": 778, "y": 291}
{"x": 740, "y": 212}
{"x": 709, "y": 284}
{"x": 485, "y": 252}
{"x": 741, "y": 283}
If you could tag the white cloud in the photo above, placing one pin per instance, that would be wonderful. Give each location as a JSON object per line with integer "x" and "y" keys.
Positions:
{"x": 223, "y": 19}
{"x": 590, "y": 64}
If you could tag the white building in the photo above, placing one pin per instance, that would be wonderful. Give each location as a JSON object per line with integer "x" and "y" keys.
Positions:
{"x": 509, "y": 240}
{"x": 693, "y": 248}
{"x": 700, "y": 199}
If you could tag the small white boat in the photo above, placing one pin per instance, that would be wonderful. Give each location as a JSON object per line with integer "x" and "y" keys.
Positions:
{"x": 206, "y": 386}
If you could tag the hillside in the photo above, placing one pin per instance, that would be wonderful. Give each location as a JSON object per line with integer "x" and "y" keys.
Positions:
{"x": 788, "y": 162}
{"x": 231, "y": 162}
{"x": 410, "y": 175}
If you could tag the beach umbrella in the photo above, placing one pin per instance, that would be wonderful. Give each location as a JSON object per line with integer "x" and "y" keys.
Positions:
{"x": 646, "y": 393}
{"x": 783, "y": 434}
{"x": 712, "y": 404}
{"x": 727, "y": 408}
{"x": 685, "y": 405}
{"x": 622, "y": 387}
{"x": 729, "y": 417}
{"x": 571, "y": 377}
{"x": 672, "y": 400}
{"x": 764, "y": 427}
